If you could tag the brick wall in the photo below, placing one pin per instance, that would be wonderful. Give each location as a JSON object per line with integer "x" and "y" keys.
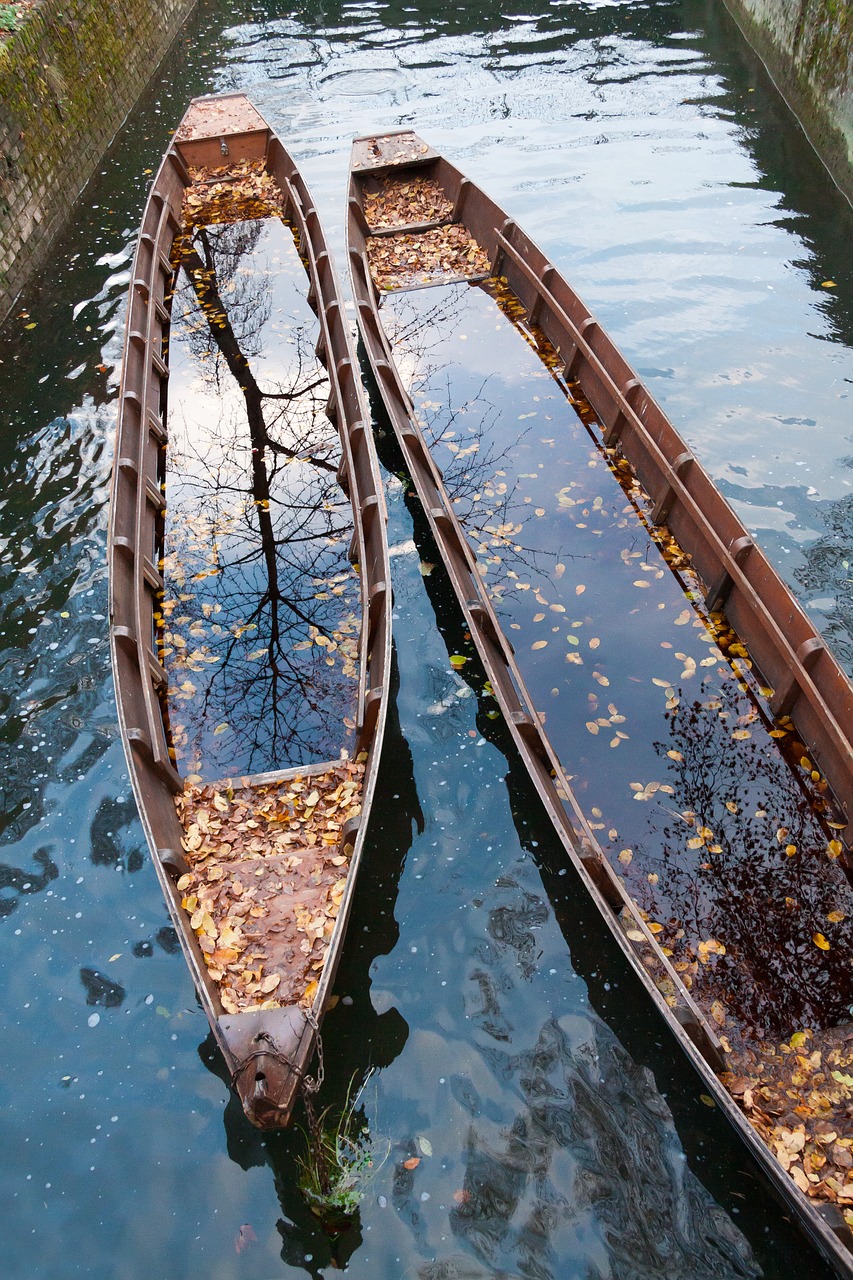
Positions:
{"x": 68, "y": 78}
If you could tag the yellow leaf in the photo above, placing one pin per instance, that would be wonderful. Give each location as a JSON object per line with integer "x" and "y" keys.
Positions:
{"x": 683, "y": 618}
{"x": 834, "y": 848}
{"x": 115, "y": 957}
{"x": 827, "y": 284}
{"x": 820, "y": 941}
{"x": 270, "y": 983}
{"x": 790, "y": 849}
{"x": 594, "y": 643}
{"x": 220, "y": 728}
{"x": 675, "y": 755}
{"x": 740, "y": 735}
{"x": 580, "y": 589}
{"x": 310, "y": 991}
{"x": 835, "y": 917}
{"x": 457, "y": 660}
{"x": 559, "y": 570}
{"x": 625, "y": 856}
{"x": 592, "y": 726}
{"x": 539, "y": 644}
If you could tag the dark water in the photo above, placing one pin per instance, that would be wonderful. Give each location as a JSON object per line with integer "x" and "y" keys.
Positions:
{"x": 647, "y": 153}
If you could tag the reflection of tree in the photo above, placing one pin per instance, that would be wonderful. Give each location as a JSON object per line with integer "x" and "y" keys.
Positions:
{"x": 257, "y": 518}
{"x": 479, "y": 467}
{"x": 737, "y": 912}
{"x": 471, "y": 468}
{"x": 601, "y": 1104}
{"x": 720, "y": 847}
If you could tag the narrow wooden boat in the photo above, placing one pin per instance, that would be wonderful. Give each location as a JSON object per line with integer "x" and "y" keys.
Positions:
{"x": 258, "y": 867}
{"x": 414, "y": 223}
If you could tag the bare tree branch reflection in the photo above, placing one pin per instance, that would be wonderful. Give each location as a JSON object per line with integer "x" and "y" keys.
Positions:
{"x": 262, "y": 602}
{"x": 732, "y": 858}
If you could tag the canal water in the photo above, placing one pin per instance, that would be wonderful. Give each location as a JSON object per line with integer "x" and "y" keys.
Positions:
{"x": 533, "y": 1118}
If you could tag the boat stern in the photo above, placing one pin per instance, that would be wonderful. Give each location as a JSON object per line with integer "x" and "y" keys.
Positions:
{"x": 221, "y": 130}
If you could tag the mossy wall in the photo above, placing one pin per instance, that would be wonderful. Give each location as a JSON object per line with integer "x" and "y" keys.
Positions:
{"x": 68, "y": 78}
{"x": 807, "y": 46}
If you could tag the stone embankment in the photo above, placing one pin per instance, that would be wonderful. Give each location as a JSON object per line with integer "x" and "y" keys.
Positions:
{"x": 807, "y": 46}
{"x": 68, "y": 77}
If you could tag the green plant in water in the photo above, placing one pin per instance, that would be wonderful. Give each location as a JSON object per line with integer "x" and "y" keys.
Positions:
{"x": 341, "y": 1160}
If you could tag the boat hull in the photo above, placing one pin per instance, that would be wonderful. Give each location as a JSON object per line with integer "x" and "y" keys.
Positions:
{"x": 810, "y": 686}
{"x": 268, "y": 1051}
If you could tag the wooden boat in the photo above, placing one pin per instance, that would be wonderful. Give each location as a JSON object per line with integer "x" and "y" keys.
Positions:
{"x": 226, "y": 162}
{"x": 414, "y": 221}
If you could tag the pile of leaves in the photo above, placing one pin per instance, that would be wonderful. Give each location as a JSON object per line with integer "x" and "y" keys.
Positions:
{"x": 799, "y": 1097}
{"x": 398, "y": 203}
{"x": 231, "y": 193}
{"x": 268, "y": 869}
{"x": 438, "y": 256}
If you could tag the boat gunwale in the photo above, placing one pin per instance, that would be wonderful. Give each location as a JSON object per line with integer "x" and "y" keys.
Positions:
{"x": 833, "y": 1239}
{"x": 141, "y": 433}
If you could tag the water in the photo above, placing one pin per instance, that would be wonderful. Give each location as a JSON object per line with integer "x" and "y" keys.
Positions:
{"x": 645, "y": 150}
{"x": 724, "y": 846}
{"x": 259, "y": 627}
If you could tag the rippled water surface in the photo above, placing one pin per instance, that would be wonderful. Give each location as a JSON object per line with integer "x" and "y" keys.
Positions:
{"x": 646, "y": 151}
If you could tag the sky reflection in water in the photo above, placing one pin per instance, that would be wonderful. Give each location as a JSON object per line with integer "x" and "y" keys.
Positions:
{"x": 642, "y": 147}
